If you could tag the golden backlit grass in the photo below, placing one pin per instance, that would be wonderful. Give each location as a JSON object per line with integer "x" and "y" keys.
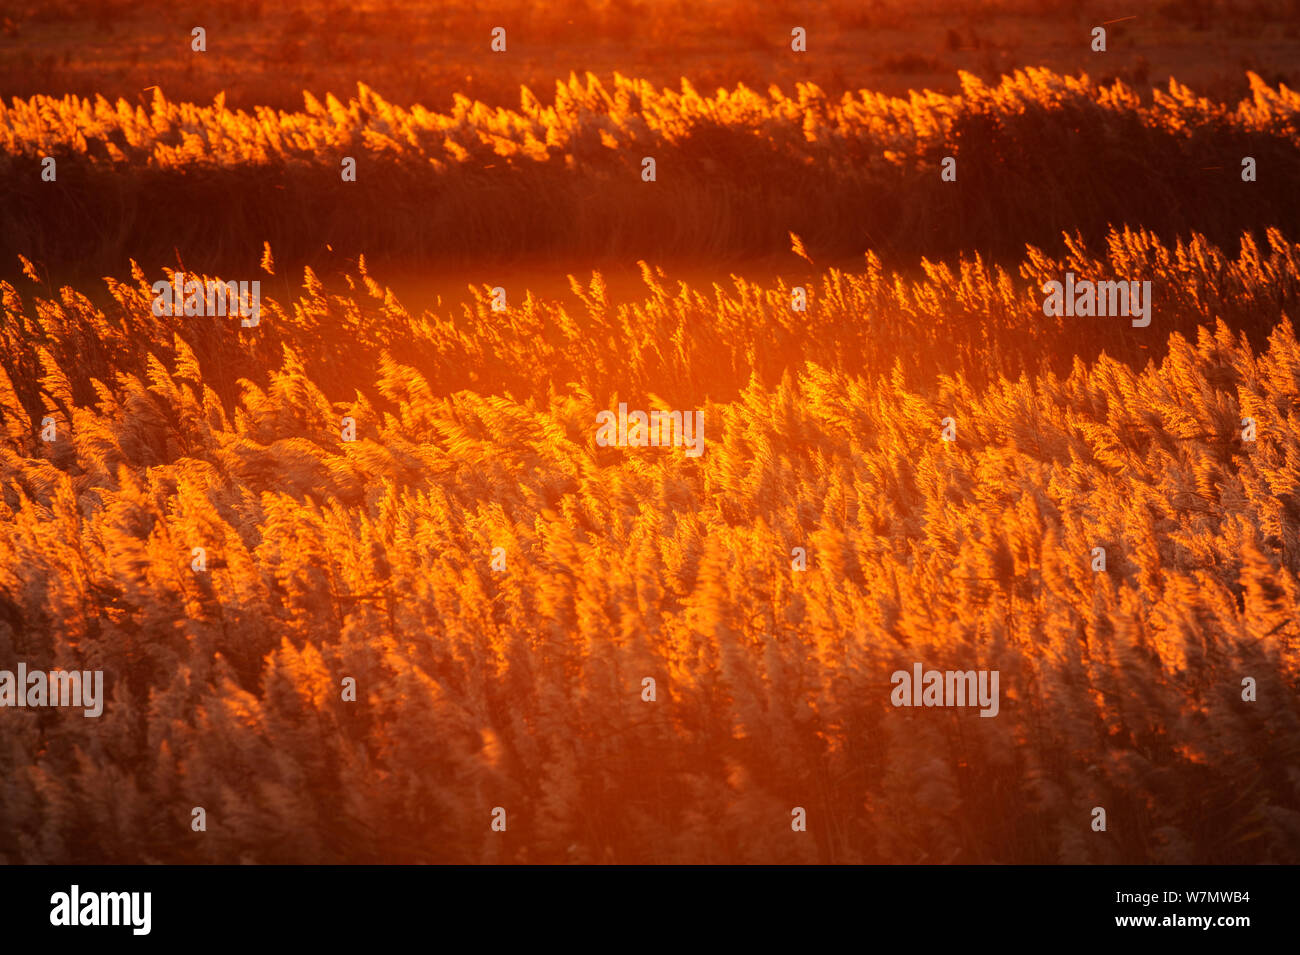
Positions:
{"x": 1037, "y": 154}
{"x": 522, "y": 689}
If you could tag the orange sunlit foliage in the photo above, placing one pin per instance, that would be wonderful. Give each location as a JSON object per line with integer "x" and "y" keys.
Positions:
{"x": 372, "y": 560}
{"x": 632, "y": 112}
{"x": 1039, "y": 153}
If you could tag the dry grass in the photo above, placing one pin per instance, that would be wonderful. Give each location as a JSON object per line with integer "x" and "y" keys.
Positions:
{"x": 475, "y": 430}
{"x": 1038, "y": 154}
{"x": 522, "y": 689}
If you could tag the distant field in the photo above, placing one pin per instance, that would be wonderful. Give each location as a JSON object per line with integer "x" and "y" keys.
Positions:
{"x": 730, "y": 191}
{"x": 266, "y": 54}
